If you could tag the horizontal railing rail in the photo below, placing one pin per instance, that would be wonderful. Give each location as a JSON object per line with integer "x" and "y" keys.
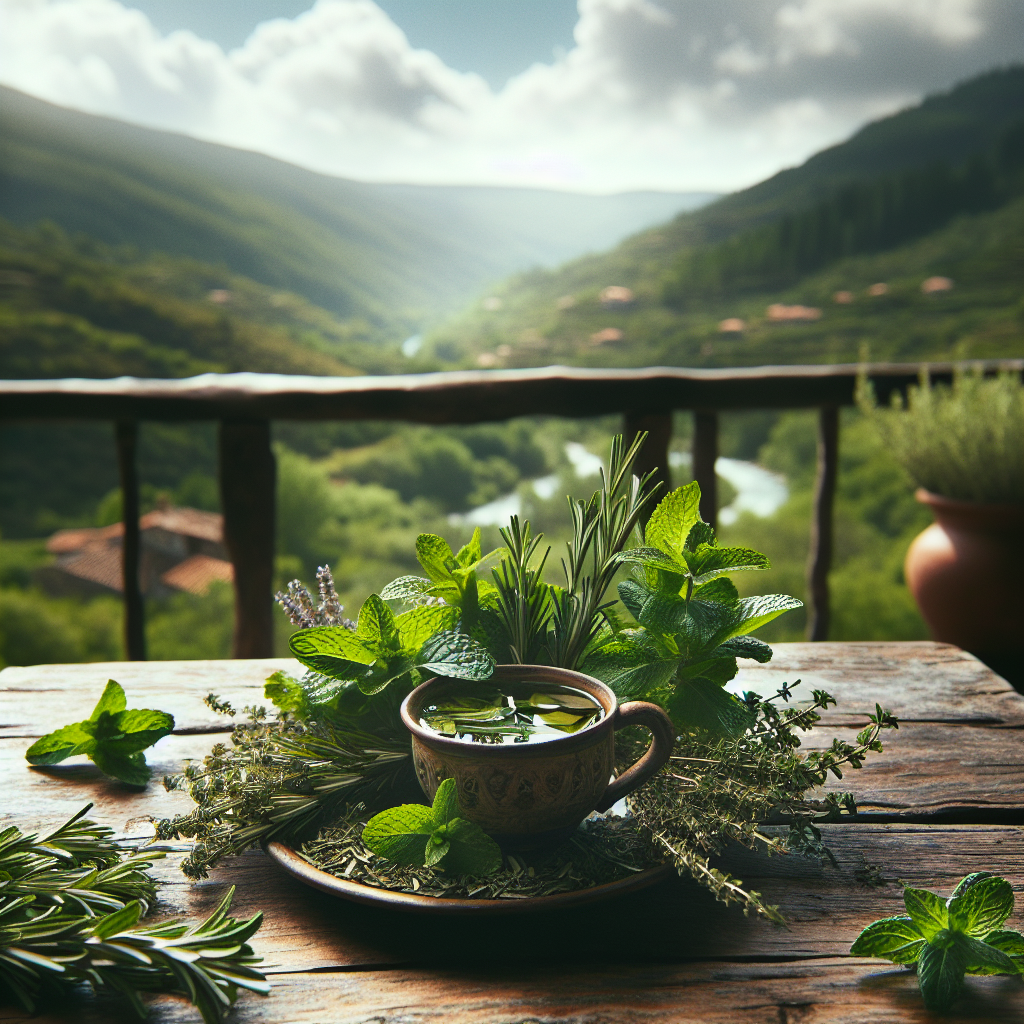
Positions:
{"x": 246, "y": 403}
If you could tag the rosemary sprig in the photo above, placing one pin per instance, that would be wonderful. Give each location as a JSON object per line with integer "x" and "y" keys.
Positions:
{"x": 70, "y": 903}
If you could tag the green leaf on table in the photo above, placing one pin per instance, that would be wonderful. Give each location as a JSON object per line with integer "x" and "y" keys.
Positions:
{"x": 983, "y": 958}
{"x": 927, "y": 911}
{"x": 433, "y": 836}
{"x": 417, "y": 626}
{"x": 286, "y": 693}
{"x": 981, "y": 906}
{"x": 892, "y": 938}
{"x": 332, "y": 650}
{"x": 1009, "y": 942}
{"x": 113, "y": 737}
{"x": 942, "y": 937}
{"x": 940, "y": 973}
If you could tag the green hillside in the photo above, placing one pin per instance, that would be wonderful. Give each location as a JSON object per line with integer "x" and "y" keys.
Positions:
{"x": 393, "y": 255}
{"x": 856, "y": 215}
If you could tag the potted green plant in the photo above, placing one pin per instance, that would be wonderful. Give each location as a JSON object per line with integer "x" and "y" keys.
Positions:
{"x": 963, "y": 445}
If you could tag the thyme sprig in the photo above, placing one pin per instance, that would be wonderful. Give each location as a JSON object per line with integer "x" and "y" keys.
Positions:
{"x": 716, "y": 791}
{"x": 279, "y": 779}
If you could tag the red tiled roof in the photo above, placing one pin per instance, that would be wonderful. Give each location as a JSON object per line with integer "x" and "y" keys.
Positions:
{"x": 189, "y": 522}
{"x": 65, "y": 541}
{"x": 197, "y": 573}
{"x": 100, "y": 563}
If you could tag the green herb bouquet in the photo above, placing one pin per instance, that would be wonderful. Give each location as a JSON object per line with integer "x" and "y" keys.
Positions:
{"x": 336, "y": 751}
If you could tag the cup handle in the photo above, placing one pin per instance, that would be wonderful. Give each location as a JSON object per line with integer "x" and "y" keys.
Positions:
{"x": 650, "y": 716}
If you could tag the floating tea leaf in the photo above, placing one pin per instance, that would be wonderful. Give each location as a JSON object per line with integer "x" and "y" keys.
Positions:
{"x": 516, "y": 713}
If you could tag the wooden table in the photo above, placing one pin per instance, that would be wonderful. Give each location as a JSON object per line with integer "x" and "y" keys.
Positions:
{"x": 946, "y": 798}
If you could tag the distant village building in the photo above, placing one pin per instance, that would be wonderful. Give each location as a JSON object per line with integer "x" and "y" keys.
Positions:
{"x": 843, "y": 298}
{"x": 732, "y": 325}
{"x": 936, "y": 284}
{"x": 878, "y": 289}
{"x": 487, "y": 360}
{"x": 221, "y": 296}
{"x": 780, "y": 314}
{"x": 181, "y": 549}
{"x": 616, "y": 296}
{"x": 609, "y": 335}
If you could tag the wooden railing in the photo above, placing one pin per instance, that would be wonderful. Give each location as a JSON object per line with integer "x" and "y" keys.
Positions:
{"x": 246, "y": 403}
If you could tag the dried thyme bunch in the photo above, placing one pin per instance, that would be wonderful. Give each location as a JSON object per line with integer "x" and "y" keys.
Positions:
{"x": 717, "y": 790}
{"x": 280, "y": 779}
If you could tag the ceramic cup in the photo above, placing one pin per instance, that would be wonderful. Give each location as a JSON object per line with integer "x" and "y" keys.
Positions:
{"x": 529, "y": 795}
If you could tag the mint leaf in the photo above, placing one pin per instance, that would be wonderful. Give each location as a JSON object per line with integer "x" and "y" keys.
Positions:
{"x": 128, "y": 767}
{"x": 376, "y": 625}
{"x": 631, "y": 663}
{"x": 332, "y": 650}
{"x": 286, "y": 693}
{"x": 719, "y": 589}
{"x": 703, "y": 704}
{"x": 927, "y": 910}
{"x": 940, "y": 972}
{"x": 747, "y": 647}
{"x": 983, "y": 958}
{"x": 419, "y": 625}
{"x": 61, "y": 743}
{"x": 707, "y": 562}
{"x": 1009, "y": 942}
{"x": 139, "y": 728}
{"x": 113, "y": 738}
{"x": 981, "y": 906}
{"x": 471, "y": 851}
{"x": 672, "y": 520}
{"x": 892, "y": 938}
{"x": 434, "y": 554}
{"x": 446, "y": 803}
{"x": 111, "y": 700}
{"x": 433, "y": 836}
{"x": 400, "y": 833}
{"x": 407, "y": 588}
{"x": 437, "y": 847}
{"x": 457, "y": 656}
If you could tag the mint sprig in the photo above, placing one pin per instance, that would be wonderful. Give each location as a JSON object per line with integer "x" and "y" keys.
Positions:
{"x": 113, "y": 738}
{"x": 385, "y": 646}
{"x": 947, "y": 939}
{"x": 435, "y": 836}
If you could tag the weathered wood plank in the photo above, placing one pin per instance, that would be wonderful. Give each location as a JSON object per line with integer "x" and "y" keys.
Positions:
{"x": 832, "y": 991}
{"x": 459, "y": 397}
{"x": 920, "y": 681}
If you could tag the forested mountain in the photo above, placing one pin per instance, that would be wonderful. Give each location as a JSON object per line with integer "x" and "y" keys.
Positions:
{"x": 931, "y": 191}
{"x": 393, "y": 255}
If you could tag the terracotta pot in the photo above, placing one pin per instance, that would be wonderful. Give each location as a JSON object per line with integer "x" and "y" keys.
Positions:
{"x": 530, "y": 795}
{"x": 965, "y": 572}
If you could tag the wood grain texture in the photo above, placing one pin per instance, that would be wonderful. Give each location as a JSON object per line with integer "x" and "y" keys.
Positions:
{"x": 459, "y": 397}
{"x": 667, "y": 954}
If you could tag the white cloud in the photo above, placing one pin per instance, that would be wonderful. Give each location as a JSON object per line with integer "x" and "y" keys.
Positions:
{"x": 654, "y": 94}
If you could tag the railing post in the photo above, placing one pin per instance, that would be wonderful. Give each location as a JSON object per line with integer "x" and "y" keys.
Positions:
{"x": 705, "y": 455}
{"x": 126, "y": 433}
{"x": 820, "y": 561}
{"x": 247, "y": 491}
{"x": 653, "y": 454}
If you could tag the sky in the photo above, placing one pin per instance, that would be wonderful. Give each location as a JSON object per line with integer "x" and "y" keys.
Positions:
{"x": 600, "y": 96}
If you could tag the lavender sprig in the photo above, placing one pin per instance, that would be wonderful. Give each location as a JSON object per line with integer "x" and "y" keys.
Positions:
{"x": 302, "y": 611}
